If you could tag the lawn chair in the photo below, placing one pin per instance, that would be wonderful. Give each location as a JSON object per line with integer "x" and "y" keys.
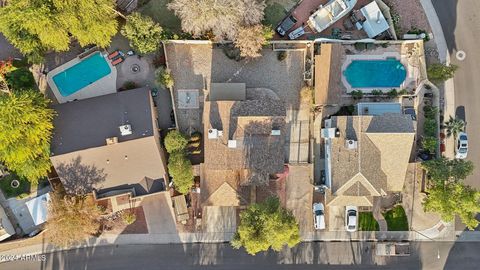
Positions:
{"x": 117, "y": 61}
{"x": 113, "y": 55}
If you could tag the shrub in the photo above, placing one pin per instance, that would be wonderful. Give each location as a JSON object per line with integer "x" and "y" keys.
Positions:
{"x": 430, "y": 144}
{"x": 129, "y": 85}
{"x": 306, "y": 95}
{"x": 430, "y": 127}
{"x": 430, "y": 112}
{"x": 20, "y": 79}
{"x": 128, "y": 217}
{"x": 180, "y": 168}
{"x": 392, "y": 93}
{"x": 403, "y": 92}
{"x": 175, "y": 141}
{"x": 232, "y": 52}
{"x": 164, "y": 77}
{"x": 440, "y": 72}
{"x": 356, "y": 94}
{"x": 377, "y": 92}
{"x": 281, "y": 55}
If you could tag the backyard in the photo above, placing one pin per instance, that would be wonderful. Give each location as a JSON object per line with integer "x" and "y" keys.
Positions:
{"x": 367, "y": 222}
{"x": 6, "y": 186}
{"x": 396, "y": 219}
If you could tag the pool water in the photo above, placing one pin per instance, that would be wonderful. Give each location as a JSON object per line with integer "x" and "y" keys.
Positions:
{"x": 387, "y": 73}
{"x": 86, "y": 72}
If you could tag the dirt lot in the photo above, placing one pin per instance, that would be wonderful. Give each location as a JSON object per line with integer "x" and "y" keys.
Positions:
{"x": 411, "y": 14}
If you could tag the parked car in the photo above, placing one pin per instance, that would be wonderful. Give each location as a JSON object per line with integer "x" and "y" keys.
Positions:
{"x": 319, "y": 216}
{"x": 351, "y": 218}
{"x": 297, "y": 33}
{"x": 461, "y": 146}
{"x": 286, "y": 25}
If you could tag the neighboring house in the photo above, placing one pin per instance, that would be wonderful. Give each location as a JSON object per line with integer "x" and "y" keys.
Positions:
{"x": 367, "y": 156}
{"x": 244, "y": 143}
{"x": 6, "y": 228}
{"x": 110, "y": 145}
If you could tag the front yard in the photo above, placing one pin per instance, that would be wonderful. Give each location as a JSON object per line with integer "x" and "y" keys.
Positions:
{"x": 366, "y": 222}
{"x": 396, "y": 219}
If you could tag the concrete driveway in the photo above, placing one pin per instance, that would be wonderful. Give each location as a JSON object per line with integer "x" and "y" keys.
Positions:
{"x": 219, "y": 219}
{"x": 299, "y": 191}
{"x": 336, "y": 218}
{"x": 159, "y": 214}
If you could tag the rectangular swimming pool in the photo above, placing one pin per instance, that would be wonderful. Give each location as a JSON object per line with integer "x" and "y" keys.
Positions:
{"x": 388, "y": 73}
{"x": 82, "y": 74}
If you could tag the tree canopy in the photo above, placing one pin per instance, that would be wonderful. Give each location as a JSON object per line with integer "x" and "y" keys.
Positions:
{"x": 143, "y": 33}
{"x": 266, "y": 225}
{"x": 180, "y": 168}
{"x": 440, "y": 72}
{"x": 25, "y": 133}
{"x": 222, "y": 17}
{"x": 175, "y": 141}
{"x": 454, "y": 126}
{"x": 35, "y": 27}
{"x": 71, "y": 219}
{"x": 453, "y": 199}
{"x": 448, "y": 196}
{"x": 250, "y": 40}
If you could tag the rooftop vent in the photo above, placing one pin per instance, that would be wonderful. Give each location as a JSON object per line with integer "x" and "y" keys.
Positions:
{"x": 112, "y": 140}
{"x": 351, "y": 144}
{"x": 232, "y": 143}
{"x": 275, "y": 132}
{"x": 125, "y": 130}
{"x": 212, "y": 133}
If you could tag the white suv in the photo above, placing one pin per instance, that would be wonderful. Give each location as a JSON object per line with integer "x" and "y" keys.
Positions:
{"x": 318, "y": 216}
{"x": 351, "y": 218}
{"x": 461, "y": 146}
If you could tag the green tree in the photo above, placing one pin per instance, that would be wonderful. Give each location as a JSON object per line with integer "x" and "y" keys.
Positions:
{"x": 20, "y": 79}
{"x": 71, "y": 219}
{"x": 454, "y": 126}
{"x": 442, "y": 170}
{"x": 430, "y": 112}
{"x": 392, "y": 93}
{"x": 180, "y": 168}
{"x": 356, "y": 94}
{"x": 35, "y": 27}
{"x": 25, "y": 133}
{"x": 175, "y": 141}
{"x": 452, "y": 199}
{"x": 441, "y": 72}
{"x": 164, "y": 77}
{"x": 430, "y": 144}
{"x": 144, "y": 34}
{"x": 266, "y": 225}
{"x": 430, "y": 127}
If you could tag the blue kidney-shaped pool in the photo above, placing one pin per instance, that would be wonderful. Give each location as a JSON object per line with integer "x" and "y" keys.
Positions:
{"x": 386, "y": 73}
{"x": 85, "y": 72}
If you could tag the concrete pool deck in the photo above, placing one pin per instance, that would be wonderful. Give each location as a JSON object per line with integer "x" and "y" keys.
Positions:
{"x": 411, "y": 71}
{"x": 103, "y": 86}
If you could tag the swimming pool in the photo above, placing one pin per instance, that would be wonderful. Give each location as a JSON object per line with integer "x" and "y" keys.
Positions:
{"x": 82, "y": 74}
{"x": 387, "y": 73}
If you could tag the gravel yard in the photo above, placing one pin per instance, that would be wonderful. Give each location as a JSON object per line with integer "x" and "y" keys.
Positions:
{"x": 196, "y": 66}
{"x": 411, "y": 14}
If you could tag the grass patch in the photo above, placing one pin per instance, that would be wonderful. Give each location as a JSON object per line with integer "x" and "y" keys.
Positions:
{"x": 396, "y": 219}
{"x": 158, "y": 11}
{"x": 9, "y": 191}
{"x": 366, "y": 222}
{"x": 274, "y": 13}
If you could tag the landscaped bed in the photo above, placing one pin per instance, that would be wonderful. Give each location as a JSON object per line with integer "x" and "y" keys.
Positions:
{"x": 366, "y": 222}
{"x": 396, "y": 219}
{"x": 6, "y": 186}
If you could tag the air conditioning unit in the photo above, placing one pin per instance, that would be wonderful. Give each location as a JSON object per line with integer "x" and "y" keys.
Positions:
{"x": 126, "y": 130}
{"x": 212, "y": 133}
{"x": 351, "y": 144}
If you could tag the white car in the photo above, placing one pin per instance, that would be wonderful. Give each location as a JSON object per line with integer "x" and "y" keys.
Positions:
{"x": 461, "y": 146}
{"x": 319, "y": 216}
{"x": 351, "y": 218}
{"x": 297, "y": 33}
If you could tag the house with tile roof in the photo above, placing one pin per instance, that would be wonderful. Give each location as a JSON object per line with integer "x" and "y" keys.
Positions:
{"x": 369, "y": 155}
{"x": 244, "y": 144}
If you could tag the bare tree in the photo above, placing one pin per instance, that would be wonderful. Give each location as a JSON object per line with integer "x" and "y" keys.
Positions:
{"x": 222, "y": 17}
{"x": 250, "y": 40}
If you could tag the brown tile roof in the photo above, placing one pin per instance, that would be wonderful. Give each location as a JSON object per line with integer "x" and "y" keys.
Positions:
{"x": 379, "y": 162}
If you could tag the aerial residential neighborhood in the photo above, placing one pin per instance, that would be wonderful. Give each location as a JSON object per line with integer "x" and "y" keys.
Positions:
{"x": 235, "y": 134}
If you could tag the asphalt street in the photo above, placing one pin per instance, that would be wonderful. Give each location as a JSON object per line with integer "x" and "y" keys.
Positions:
{"x": 330, "y": 255}
{"x": 460, "y": 22}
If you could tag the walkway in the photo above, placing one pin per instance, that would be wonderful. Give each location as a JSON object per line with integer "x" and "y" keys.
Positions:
{"x": 377, "y": 214}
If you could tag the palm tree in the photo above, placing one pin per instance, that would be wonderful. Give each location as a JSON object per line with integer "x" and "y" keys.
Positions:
{"x": 454, "y": 126}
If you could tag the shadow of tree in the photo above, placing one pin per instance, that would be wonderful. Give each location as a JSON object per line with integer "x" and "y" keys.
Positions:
{"x": 78, "y": 178}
